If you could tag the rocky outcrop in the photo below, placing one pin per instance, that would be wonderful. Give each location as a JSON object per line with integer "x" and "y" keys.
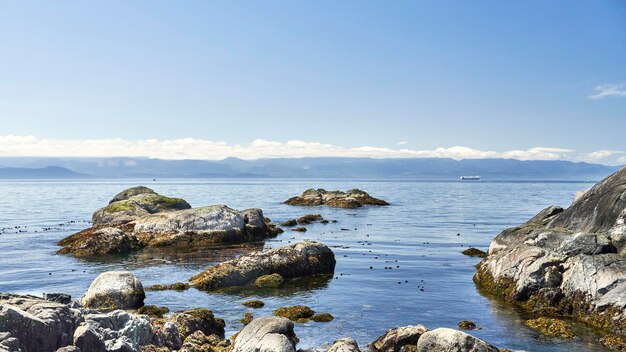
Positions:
{"x": 267, "y": 334}
{"x": 566, "y": 261}
{"x": 450, "y": 340}
{"x": 33, "y": 324}
{"x": 114, "y": 290}
{"x": 353, "y": 198}
{"x": 301, "y": 259}
{"x": 344, "y": 345}
{"x": 139, "y": 217}
{"x": 395, "y": 339}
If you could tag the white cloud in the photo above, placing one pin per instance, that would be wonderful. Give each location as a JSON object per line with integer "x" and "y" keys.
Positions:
{"x": 402, "y": 143}
{"x": 194, "y": 148}
{"x": 609, "y": 90}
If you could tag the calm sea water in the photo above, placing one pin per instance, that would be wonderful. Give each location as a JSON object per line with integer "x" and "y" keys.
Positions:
{"x": 420, "y": 236}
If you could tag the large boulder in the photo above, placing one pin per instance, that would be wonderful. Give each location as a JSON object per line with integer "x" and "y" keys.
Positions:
{"x": 450, "y": 340}
{"x": 353, "y": 198}
{"x": 300, "y": 259}
{"x": 139, "y": 217}
{"x": 395, "y": 339}
{"x": 566, "y": 261}
{"x": 114, "y": 290}
{"x": 267, "y": 334}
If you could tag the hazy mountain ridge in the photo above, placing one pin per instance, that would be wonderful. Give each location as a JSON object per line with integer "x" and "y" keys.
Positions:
{"x": 356, "y": 168}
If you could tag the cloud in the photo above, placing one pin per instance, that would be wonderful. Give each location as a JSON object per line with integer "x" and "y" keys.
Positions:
{"x": 195, "y": 148}
{"x": 402, "y": 143}
{"x": 609, "y": 90}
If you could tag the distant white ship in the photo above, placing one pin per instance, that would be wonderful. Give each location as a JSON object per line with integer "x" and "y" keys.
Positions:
{"x": 470, "y": 178}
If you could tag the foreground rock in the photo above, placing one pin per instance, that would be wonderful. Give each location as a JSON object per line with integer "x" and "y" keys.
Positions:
{"x": 344, "y": 345}
{"x": 267, "y": 334}
{"x": 114, "y": 290}
{"x": 33, "y": 324}
{"x": 567, "y": 262}
{"x": 395, "y": 339}
{"x": 301, "y": 259}
{"x": 450, "y": 340}
{"x": 353, "y": 198}
{"x": 139, "y": 217}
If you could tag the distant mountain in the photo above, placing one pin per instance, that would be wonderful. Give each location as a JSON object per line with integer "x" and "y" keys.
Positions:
{"x": 349, "y": 168}
{"x": 38, "y": 173}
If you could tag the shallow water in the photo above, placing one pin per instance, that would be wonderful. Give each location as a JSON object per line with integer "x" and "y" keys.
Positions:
{"x": 420, "y": 236}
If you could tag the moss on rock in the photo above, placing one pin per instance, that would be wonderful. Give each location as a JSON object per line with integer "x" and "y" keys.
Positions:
{"x": 272, "y": 280}
{"x": 474, "y": 252}
{"x": 467, "y": 325}
{"x": 295, "y": 313}
{"x": 322, "y": 317}
{"x": 254, "y": 303}
{"x": 153, "y": 311}
{"x": 551, "y": 327}
{"x": 247, "y": 318}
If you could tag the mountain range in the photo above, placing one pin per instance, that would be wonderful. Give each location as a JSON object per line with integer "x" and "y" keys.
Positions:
{"x": 322, "y": 167}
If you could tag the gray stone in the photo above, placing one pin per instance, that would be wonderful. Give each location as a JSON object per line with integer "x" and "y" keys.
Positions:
{"x": 114, "y": 290}
{"x": 450, "y": 340}
{"x": 267, "y": 334}
{"x": 344, "y": 345}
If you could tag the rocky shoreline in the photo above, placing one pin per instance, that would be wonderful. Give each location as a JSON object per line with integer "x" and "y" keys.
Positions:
{"x": 567, "y": 262}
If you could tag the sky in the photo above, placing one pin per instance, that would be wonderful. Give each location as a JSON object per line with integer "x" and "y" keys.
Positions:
{"x": 252, "y": 79}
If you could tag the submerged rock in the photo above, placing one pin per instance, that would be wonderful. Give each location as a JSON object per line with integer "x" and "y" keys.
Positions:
{"x": 450, "y": 340}
{"x": 566, "y": 261}
{"x": 353, "y": 198}
{"x": 551, "y": 327}
{"x": 139, "y": 217}
{"x": 114, "y": 290}
{"x": 300, "y": 259}
{"x": 267, "y": 334}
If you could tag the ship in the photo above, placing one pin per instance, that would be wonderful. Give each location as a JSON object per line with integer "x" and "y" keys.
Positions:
{"x": 470, "y": 178}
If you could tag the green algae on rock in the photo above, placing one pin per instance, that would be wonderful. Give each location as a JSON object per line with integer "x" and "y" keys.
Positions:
{"x": 153, "y": 311}
{"x": 271, "y": 280}
{"x": 247, "y": 318}
{"x": 353, "y": 198}
{"x": 301, "y": 259}
{"x": 295, "y": 313}
{"x": 474, "y": 252}
{"x": 551, "y": 327}
{"x": 253, "y": 303}
{"x": 179, "y": 286}
{"x": 322, "y": 317}
{"x": 467, "y": 325}
{"x": 139, "y": 217}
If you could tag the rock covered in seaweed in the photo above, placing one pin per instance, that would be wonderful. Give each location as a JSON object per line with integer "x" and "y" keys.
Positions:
{"x": 139, "y": 217}
{"x": 566, "y": 261}
{"x": 300, "y": 259}
{"x": 114, "y": 290}
{"x": 353, "y": 198}
{"x": 395, "y": 339}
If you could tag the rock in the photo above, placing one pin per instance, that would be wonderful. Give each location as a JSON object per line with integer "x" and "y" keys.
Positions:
{"x": 474, "y": 252}
{"x": 9, "y": 343}
{"x": 118, "y": 330}
{"x": 322, "y": 317}
{"x": 114, "y": 290}
{"x": 299, "y": 229}
{"x": 267, "y": 334}
{"x": 353, "y": 198}
{"x": 87, "y": 339}
{"x": 450, "y": 340}
{"x": 35, "y": 324}
{"x": 199, "y": 342}
{"x": 551, "y": 327}
{"x": 69, "y": 348}
{"x": 289, "y": 223}
{"x": 301, "y": 259}
{"x": 179, "y": 286}
{"x": 153, "y": 311}
{"x": 295, "y": 313}
{"x": 395, "y": 339}
{"x": 199, "y": 319}
{"x": 344, "y": 345}
{"x": 255, "y": 303}
{"x": 467, "y": 325}
{"x": 58, "y": 297}
{"x": 567, "y": 262}
{"x": 247, "y": 318}
{"x": 139, "y": 217}
{"x": 310, "y": 218}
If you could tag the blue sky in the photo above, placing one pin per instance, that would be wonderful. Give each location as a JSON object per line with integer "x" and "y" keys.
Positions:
{"x": 421, "y": 76}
